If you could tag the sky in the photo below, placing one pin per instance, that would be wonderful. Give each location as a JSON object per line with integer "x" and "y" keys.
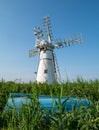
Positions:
{"x": 68, "y": 17}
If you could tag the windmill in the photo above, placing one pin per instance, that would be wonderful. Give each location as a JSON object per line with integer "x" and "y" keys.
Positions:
{"x": 48, "y": 70}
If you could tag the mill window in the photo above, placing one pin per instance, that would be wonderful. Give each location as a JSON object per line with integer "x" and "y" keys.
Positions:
{"x": 45, "y": 71}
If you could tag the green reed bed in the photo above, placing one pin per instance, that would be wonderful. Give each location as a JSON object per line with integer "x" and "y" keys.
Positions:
{"x": 32, "y": 116}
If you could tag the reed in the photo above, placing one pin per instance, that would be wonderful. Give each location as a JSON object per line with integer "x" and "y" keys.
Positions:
{"x": 32, "y": 116}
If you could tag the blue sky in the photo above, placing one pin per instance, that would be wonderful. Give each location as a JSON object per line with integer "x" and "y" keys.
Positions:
{"x": 19, "y": 17}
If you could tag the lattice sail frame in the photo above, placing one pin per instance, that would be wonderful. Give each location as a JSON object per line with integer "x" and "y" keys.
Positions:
{"x": 40, "y": 35}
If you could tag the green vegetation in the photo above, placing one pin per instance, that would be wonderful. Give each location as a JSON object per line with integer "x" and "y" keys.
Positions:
{"x": 32, "y": 117}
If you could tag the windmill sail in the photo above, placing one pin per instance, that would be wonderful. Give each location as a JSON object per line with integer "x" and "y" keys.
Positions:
{"x": 68, "y": 42}
{"x": 33, "y": 52}
{"x": 47, "y": 28}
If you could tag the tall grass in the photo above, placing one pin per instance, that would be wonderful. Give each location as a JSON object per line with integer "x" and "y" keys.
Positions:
{"x": 32, "y": 117}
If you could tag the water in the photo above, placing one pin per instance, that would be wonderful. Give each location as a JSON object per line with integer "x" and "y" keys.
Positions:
{"x": 16, "y": 100}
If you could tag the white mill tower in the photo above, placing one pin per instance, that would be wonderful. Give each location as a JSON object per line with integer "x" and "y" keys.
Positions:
{"x": 48, "y": 69}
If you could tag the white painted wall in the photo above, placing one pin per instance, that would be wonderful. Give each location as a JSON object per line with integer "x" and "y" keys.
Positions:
{"x": 46, "y": 64}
